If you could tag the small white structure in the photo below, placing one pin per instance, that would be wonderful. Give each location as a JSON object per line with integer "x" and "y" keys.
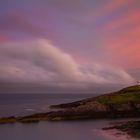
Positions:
{"x": 138, "y": 82}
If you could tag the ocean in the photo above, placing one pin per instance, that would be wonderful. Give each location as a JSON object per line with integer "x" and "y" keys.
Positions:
{"x": 26, "y": 104}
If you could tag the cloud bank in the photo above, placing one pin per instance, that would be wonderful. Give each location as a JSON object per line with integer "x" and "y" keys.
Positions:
{"x": 41, "y": 62}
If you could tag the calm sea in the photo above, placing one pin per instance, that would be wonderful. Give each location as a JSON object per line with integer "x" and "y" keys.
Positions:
{"x": 25, "y": 104}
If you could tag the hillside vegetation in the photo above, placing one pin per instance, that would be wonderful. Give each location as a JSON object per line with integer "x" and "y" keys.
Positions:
{"x": 129, "y": 94}
{"x": 123, "y": 103}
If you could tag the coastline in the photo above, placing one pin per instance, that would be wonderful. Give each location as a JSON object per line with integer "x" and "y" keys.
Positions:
{"x": 129, "y": 128}
{"x": 115, "y": 135}
{"x": 120, "y": 104}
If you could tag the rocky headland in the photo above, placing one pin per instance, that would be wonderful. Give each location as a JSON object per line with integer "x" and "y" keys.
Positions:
{"x": 121, "y": 104}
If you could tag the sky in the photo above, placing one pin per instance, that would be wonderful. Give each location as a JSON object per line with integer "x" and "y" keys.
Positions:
{"x": 69, "y": 45}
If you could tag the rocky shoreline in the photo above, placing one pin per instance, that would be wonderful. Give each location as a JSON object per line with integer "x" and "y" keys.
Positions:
{"x": 121, "y": 104}
{"x": 131, "y": 128}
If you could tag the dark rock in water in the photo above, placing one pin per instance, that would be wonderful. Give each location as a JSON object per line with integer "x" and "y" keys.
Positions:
{"x": 131, "y": 128}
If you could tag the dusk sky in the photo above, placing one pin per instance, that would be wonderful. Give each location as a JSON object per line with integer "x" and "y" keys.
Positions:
{"x": 70, "y": 44}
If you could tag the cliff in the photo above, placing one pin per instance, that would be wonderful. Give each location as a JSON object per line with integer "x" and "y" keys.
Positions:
{"x": 123, "y": 103}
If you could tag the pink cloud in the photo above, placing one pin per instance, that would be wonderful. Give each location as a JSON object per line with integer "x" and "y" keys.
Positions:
{"x": 40, "y": 61}
{"x": 124, "y": 49}
{"x": 111, "y": 6}
{"x": 132, "y": 17}
{"x": 122, "y": 41}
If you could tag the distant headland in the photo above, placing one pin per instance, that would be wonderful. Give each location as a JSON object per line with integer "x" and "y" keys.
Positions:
{"x": 120, "y": 104}
{"x": 124, "y": 103}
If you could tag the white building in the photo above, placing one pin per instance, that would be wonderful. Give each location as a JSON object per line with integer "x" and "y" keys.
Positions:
{"x": 138, "y": 82}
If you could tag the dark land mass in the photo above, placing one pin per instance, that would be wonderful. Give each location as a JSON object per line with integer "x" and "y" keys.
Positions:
{"x": 131, "y": 128}
{"x": 121, "y": 104}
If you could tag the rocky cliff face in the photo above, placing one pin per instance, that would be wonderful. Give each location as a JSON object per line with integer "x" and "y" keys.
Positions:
{"x": 98, "y": 110}
{"x": 124, "y": 103}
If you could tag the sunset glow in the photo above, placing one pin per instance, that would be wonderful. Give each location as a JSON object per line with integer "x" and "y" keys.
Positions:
{"x": 80, "y": 41}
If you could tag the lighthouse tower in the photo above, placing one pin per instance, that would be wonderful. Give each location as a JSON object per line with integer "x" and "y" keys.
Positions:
{"x": 138, "y": 82}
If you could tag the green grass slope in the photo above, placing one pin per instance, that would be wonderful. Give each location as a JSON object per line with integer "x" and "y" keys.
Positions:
{"x": 126, "y": 95}
{"x": 129, "y": 94}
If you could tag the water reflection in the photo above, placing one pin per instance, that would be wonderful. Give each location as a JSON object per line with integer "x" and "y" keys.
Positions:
{"x": 66, "y": 130}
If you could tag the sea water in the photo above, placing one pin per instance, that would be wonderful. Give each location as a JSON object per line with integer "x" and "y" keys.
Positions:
{"x": 26, "y": 104}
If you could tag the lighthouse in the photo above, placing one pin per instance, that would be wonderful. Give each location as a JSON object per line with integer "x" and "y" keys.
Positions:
{"x": 138, "y": 82}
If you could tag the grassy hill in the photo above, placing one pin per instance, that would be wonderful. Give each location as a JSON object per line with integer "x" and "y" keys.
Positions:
{"x": 123, "y": 103}
{"x": 129, "y": 94}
